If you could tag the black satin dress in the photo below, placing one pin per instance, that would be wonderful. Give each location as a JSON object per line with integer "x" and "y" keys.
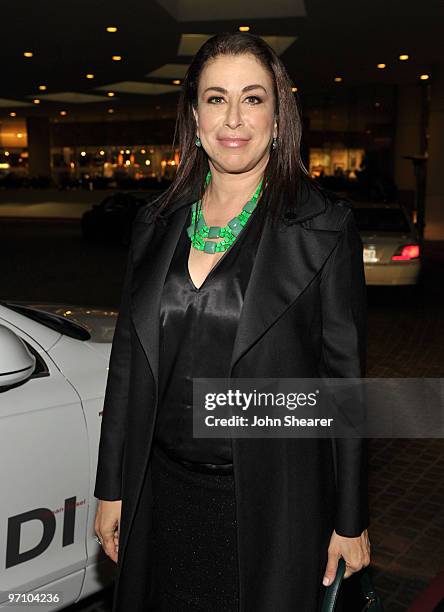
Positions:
{"x": 197, "y": 331}
{"x": 194, "y": 516}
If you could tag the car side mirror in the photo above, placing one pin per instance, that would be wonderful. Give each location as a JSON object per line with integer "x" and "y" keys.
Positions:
{"x": 17, "y": 363}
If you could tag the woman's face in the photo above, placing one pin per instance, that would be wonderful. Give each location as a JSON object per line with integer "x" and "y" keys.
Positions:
{"x": 235, "y": 115}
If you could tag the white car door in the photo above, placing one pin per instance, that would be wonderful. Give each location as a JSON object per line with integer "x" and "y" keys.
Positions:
{"x": 45, "y": 480}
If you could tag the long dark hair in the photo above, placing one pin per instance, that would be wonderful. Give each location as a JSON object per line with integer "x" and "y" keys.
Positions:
{"x": 285, "y": 171}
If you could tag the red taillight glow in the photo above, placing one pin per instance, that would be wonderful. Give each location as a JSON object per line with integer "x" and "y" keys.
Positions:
{"x": 409, "y": 251}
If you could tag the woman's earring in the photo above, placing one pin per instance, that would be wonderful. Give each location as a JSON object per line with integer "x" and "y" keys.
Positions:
{"x": 274, "y": 143}
{"x": 197, "y": 142}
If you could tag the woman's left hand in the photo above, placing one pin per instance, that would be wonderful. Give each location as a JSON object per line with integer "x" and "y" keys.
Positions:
{"x": 355, "y": 551}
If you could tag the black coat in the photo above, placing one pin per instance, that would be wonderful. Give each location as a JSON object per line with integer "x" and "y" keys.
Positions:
{"x": 304, "y": 315}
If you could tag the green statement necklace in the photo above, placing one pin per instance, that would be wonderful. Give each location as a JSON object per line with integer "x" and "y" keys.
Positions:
{"x": 198, "y": 231}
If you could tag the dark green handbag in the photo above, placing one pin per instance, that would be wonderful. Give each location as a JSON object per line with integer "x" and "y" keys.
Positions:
{"x": 370, "y": 599}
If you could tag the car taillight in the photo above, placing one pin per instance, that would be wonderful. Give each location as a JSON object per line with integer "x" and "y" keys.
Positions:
{"x": 408, "y": 251}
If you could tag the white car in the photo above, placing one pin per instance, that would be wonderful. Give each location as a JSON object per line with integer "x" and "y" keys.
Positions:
{"x": 391, "y": 246}
{"x": 53, "y": 371}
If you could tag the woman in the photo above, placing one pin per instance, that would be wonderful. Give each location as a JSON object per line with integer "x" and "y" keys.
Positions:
{"x": 255, "y": 525}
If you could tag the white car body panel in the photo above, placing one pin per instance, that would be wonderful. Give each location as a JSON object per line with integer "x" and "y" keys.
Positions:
{"x": 49, "y": 435}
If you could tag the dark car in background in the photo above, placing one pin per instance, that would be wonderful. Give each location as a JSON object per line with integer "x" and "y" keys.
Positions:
{"x": 112, "y": 218}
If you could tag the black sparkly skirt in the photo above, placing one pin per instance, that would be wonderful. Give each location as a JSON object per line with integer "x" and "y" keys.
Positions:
{"x": 194, "y": 539}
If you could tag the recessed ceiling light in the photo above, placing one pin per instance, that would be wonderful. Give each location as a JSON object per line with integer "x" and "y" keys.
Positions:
{"x": 110, "y": 110}
{"x": 244, "y": 28}
{"x": 83, "y": 153}
{"x": 294, "y": 89}
{"x": 42, "y": 87}
{"x": 382, "y": 66}
{"x": 28, "y": 53}
{"x": 127, "y": 151}
{"x": 338, "y": 79}
{"x": 424, "y": 77}
{"x": 63, "y": 113}
{"x": 116, "y": 58}
{"x": 110, "y": 94}
{"x": 176, "y": 82}
{"x": 36, "y": 101}
{"x": 102, "y": 152}
{"x": 13, "y": 114}
{"x": 403, "y": 57}
{"x": 89, "y": 75}
{"x": 111, "y": 29}
{"x": 122, "y": 151}
{"x": 7, "y": 153}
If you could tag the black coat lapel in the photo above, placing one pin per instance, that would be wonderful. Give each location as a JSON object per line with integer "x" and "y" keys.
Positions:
{"x": 153, "y": 249}
{"x": 286, "y": 261}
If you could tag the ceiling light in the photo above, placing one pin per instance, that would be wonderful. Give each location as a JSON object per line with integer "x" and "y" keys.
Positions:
{"x": 36, "y": 101}
{"x": 382, "y": 66}
{"x": 19, "y": 135}
{"x": 116, "y": 58}
{"x": 63, "y": 113}
{"x": 377, "y": 104}
{"x": 83, "y": 153}
{"x": 13, "y": 114}
{"x": 111, "y": 29}
{"x": 157, "y": 107}
{"x": 244, "y": 28}
{"x": 176, "y": 82}
{"x": 28, "y": 53}
{"x": 147, "y": 162}
{"x": 7, "y": 153}
{"x": 127, "y": 162}
{"x": 102, "y": 152}
{"x": 294, "y": 89}
{"x": 424, "y": 77}
{"x": 122, "y": 151}
{"x": 110, "y": 94}
{"x": 110, "y": 110}
{"x": 143, "y": 151}
{"x": 127, "y": 151}
{"x": 338, "y": 79}
{"x": 42, "y": 87}
{"x": 89, "y": 75}
{"x": 404, "y": 57}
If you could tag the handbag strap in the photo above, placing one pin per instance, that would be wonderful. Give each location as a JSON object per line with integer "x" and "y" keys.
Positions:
{"x": 373, "y": 604}
{"x": 331, "y": 592}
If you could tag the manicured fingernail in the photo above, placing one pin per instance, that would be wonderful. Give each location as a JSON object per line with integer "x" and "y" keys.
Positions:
{"x": 326, "y": 581}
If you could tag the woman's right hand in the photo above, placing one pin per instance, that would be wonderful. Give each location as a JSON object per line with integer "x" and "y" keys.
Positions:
{"x": 107, "y": 526}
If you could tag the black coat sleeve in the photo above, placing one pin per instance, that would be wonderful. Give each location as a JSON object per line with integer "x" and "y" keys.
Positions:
{"x": 344, "y": 342}
{"x": 112, "y": 435}
{"x": 108, "y": 484}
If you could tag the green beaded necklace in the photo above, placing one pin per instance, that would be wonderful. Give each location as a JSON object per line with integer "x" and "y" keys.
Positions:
{"x": 198, "y": 231}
